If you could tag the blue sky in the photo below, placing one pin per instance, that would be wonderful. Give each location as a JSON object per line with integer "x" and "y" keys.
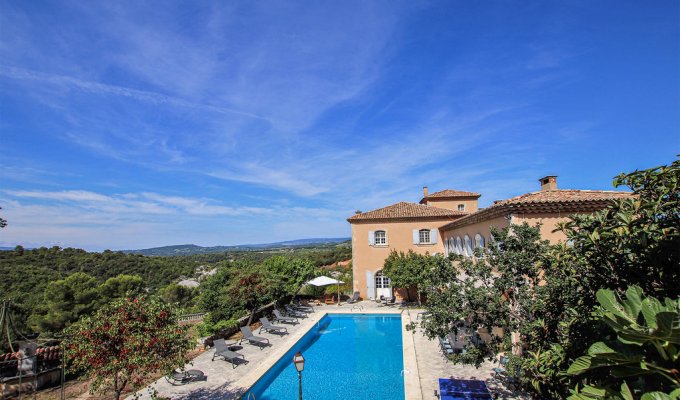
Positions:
{"x": 138, "y": 124}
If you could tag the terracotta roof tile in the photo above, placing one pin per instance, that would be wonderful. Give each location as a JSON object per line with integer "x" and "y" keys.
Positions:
{"x": 549, "y": 201}
{"x": 448, "y": 194}
{"x": 405, "y": 210}
{"x": 548, "y": 196}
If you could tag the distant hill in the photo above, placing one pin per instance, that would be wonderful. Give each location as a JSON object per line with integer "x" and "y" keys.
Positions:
{"x": 190, "y": 249}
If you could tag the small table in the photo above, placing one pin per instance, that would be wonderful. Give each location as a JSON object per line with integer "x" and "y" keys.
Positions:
{"x": 187, "y": 376}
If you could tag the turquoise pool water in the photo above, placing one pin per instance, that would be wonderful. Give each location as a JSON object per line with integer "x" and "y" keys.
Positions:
{"x": 346, "y": 357}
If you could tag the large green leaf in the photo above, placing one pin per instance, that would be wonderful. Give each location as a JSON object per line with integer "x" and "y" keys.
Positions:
{"x": 580, "y": 365}
{"x": 655, "y": 396}
{"x": 669, "y": 326}
{"x": 607, "y": 298}
{"x": 625, "y": 392}
{"x": 633, "y": 301}
{"x": 651, "y": 307}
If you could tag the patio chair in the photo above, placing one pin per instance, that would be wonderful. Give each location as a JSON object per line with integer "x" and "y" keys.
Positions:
{"x": 445, "y": 346}
{"x": 258, "y": 341}
{"x": 423, "y": 315}
{"x": 303, "y": 308}
{"x": 354, "y": 298}
{"x": 268, "y": 327}
{"x": 391, "y": 301}
{"x": 329, "y": 299}
{"x": 502, "y": 363}
{"x": 287, "y": 320}
{"x": 291, "y": 312}
{"x": 221, "y": 350}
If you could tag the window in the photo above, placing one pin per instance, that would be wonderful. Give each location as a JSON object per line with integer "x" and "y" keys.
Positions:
{"x": 381, "y": 281}
{"x": 380, "y": 237}
{"x": 479, "y": 241}
{"x": 459, "y": 246}
{"x": 468, "y": 246}
{"x": 461, "y": 207}
{"x": 424, "y": 236}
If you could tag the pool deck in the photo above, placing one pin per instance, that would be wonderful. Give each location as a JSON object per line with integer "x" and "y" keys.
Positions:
{"x": 423, "y": 362}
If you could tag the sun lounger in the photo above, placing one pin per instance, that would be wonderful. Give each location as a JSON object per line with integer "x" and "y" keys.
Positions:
{"x": 291, "y": 312}
{"x": 280, "y": 318}
{"x": 268, "y": 327}
{"x": 252, "y": 339}
{"x": 354, "y": 298}
{"x": 221, "y": 350}
{"x": 302, "y": 308}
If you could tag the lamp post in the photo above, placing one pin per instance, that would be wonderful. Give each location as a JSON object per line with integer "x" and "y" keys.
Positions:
{"x": 299, "y": 362}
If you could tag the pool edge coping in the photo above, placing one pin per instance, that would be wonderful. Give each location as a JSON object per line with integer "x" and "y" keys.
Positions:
{"x": 412, "y": 389}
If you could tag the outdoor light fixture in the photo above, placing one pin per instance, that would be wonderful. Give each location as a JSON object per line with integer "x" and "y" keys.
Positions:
{"x": 299, "y": 362}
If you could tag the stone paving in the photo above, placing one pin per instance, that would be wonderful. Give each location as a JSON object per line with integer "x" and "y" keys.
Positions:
{"x": 224, "y": 382}
{"x": 432, "y": 365}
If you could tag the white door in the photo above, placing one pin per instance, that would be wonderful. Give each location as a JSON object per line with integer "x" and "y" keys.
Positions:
{"x": 382, "y": 285}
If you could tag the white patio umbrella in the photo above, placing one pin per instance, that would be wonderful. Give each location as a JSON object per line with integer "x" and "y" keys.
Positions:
{"x": 325, "y": 281}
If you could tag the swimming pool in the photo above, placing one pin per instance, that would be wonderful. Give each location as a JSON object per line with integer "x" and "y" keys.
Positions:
{"x": 346, "y": 357}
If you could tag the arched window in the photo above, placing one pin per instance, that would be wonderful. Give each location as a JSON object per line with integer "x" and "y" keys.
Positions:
{"x": 381, "y": 281}
{"x": 459, "y": 246}
{"x": 479, "y": 241}
{"x": 491, "y": 242}
{"x": 447, "y": 247}
{"x": 468, "y": 246}
{"x": 380, "y": 237}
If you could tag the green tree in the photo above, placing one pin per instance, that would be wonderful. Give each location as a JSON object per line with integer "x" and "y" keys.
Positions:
{"x": 251, "y": 289}
{"x": 121, "y": 286}
{"x": 494, "y": 289}
{"x": 635, "y": 240}
{"x": 3, "y": 222}
{"x": 179, "y": 295}
{"x": 214, "y": 298}
{"x": 642, "y": 359}
{"x": 67, "y": 300}
{"x": 289, "y": 273}
{"x": 125, "y": 342}
{"x": 407, "y": 271}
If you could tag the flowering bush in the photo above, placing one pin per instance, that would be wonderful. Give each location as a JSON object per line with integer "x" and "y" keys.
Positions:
{"x": 125, "y": 342}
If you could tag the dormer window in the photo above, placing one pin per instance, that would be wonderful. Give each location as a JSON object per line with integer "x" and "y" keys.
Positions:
{"x": 461, "y": 207}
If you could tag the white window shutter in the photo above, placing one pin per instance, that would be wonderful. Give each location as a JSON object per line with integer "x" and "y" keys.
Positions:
{"x": 370, "y": 285}
{"x": 371, "y": 238}
{"x": 416, "y": 236}
{"x": 433, "y": 236}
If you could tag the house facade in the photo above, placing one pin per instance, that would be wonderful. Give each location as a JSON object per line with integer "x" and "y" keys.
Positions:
{"x": 450, "y": 221}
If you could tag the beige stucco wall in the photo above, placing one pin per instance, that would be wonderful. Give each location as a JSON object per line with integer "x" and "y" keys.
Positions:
{"x": 548, "y": 223}
{"x": 483, "y": 228}
{"x": 399, "y": 237}
{"x": 452, "y": 204}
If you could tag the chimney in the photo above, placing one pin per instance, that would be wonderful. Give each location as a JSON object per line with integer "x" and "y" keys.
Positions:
{"x": 548, "y": 183}
{"x": 425, "y": 191}
{"x": 357, "y": 212}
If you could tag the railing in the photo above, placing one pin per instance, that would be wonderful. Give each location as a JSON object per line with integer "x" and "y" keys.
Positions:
{"x": 190, "y": 318}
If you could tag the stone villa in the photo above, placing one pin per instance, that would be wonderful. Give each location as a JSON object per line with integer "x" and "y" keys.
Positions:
{"x": 449, "y": 221}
